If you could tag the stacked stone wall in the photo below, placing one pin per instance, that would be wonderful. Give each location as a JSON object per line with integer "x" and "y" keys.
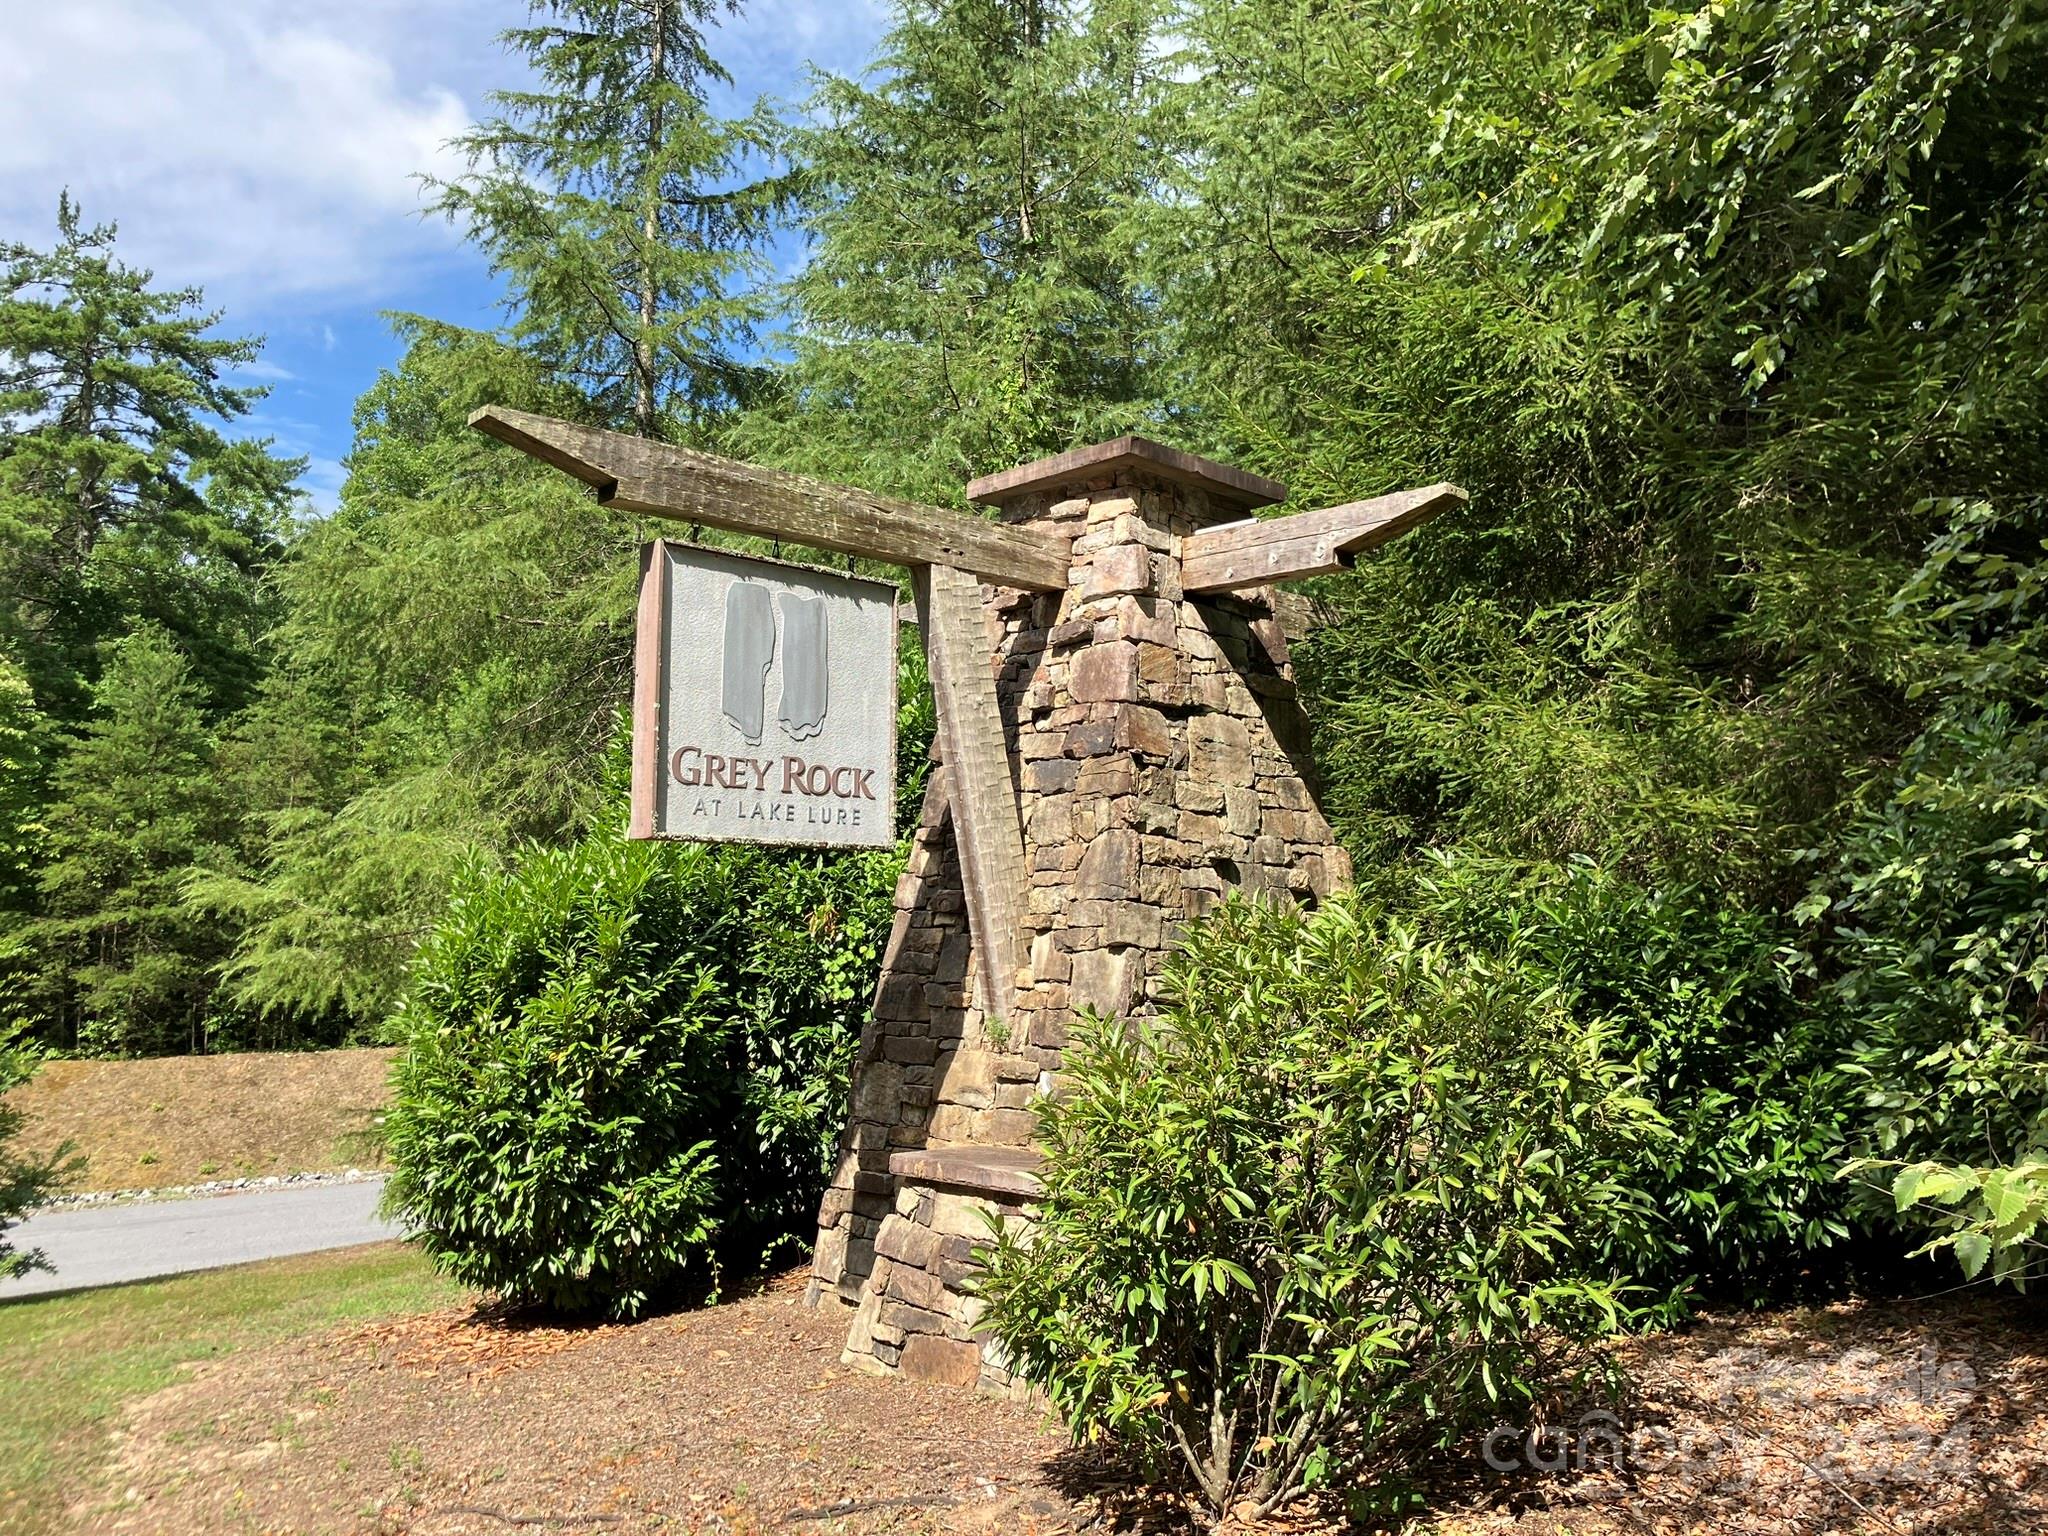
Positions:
{"x": 917, "y": 1312}
{"x": 1161, "y": 760}
{"x": 923, "y": 1010}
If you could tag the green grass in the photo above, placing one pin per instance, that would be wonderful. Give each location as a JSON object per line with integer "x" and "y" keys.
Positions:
{"x": 70, "y": 1362}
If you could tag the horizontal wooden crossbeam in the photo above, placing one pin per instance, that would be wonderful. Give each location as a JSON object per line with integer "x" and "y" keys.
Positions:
{"x": 1262, "y": 550}
{"x": 636, "y": 474}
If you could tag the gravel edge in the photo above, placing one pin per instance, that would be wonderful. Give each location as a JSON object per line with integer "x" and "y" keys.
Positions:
{"x": 200, "y": 1191}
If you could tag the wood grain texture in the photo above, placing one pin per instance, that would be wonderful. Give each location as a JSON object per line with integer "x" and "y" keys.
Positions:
{"x": 1264, "y": 550}
{"x": 647, "y": 681}
{"x": 1223, "y": 482}
{"x": 981, "y": 791}
{"x": 636, "y": 474}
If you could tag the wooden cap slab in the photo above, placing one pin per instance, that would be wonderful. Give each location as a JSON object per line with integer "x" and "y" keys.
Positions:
{"x": 1228, "y": 486}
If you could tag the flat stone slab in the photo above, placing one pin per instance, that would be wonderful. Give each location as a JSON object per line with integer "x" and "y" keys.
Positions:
{"x": 1011, "y": 1171}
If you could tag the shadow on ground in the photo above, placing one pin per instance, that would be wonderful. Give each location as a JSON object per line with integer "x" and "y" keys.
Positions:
{"x": 739, "y": 1418}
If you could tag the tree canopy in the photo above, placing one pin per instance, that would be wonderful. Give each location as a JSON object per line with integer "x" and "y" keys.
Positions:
{"x": 1720, "y": 699}
{"x": 123, "y": 499}
{"x": 605, "y": 198}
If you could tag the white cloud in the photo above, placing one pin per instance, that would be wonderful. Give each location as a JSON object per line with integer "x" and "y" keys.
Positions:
{"x": 268, "y": 149}
{"x": 292, "y": 437}
{"x": 253, "y": 149}
{"x": 322, "y": 483}
{"x": 768, "y": 46}
{"x": 261, "y": 370}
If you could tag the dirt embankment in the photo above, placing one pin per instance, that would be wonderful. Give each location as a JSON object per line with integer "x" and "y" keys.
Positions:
{"x": 187, "y": 1119}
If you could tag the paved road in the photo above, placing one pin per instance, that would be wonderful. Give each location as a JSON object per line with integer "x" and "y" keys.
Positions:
{"x": 108, "y": 1244}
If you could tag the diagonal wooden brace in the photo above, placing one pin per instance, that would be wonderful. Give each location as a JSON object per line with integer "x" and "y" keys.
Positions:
{"x": 981, "y": 790}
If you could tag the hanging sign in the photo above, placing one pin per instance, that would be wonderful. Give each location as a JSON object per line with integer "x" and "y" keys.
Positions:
{"x": 764, "y": 702}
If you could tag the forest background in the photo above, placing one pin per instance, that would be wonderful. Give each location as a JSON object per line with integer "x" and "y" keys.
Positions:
{"x": 1718, "y": 708}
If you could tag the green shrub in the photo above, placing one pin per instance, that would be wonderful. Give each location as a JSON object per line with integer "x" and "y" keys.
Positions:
{"x": 1335, "y": 1203}
{"x": 1935, "y": 917}
{"x": 1996, "y": 1215}
{"x": 22, "y": 1184}
{"x": 1940, "y": 926}
{"x": 626, "y": 1063}
{"x": 1736, "y": 1053}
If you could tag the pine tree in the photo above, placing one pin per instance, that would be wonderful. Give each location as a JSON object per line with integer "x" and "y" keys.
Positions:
{"x": 24, "y": 1182}
{"x": 459, "y": 632}
{"x": 120, "y": 498}
{"x": 23, "y": 749}
{"x": 24, "y": 753}
{"x": 604, "y": 199}
{"x": 457, "y": 643}
{"x": 124, "y": 961}
{"x": 972, "y": 296}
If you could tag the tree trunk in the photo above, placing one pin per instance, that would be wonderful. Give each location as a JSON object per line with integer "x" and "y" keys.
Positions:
{"x": 85, "y": 531}
{"x": 646, "y": 419}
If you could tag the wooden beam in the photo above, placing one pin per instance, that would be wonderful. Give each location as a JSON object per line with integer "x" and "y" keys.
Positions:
{"x": 1230, "y": 486}
{"x": 1262, "y": 550}
{"x": 981, "y": 793}
{"x": 636, "y": 474}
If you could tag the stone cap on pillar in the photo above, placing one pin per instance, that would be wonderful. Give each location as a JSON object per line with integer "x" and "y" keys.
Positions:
{"x": 1011, "y": 1172}
{"x": 1232, "y": 492}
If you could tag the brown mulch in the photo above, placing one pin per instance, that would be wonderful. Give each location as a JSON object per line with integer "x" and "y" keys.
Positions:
{"x": 1879, "y": 1419}
{"x": 177, "y": 1120}
{"x": 1905, "y": 1418}
{"x": 736, "y": 1418}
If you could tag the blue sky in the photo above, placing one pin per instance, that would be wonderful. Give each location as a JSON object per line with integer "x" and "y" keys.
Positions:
{"x": 266, "y": 151}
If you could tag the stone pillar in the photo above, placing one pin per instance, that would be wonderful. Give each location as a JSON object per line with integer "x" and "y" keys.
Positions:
{"x": 1161, "y": 760}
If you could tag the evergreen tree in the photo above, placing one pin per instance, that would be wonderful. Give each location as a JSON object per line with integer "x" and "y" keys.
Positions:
{"x": 970, "y": 298}
{"x": 603, "y": 198}
{"x": 459, "y": 634}
{"x": 23, "y": 747}
{"x": 124, "y": 960}
{"x": 24, "y": 751}
{"x": 1723, "y": 315}
{"x": 121, "y": 501}
{"x": 1696, "y": 346}
{"x": 24, "y": 1183}
{"x": 457, "y": 643}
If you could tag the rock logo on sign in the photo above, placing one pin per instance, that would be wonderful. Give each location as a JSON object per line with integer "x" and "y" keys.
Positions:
{"x": 750, "y": 652}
